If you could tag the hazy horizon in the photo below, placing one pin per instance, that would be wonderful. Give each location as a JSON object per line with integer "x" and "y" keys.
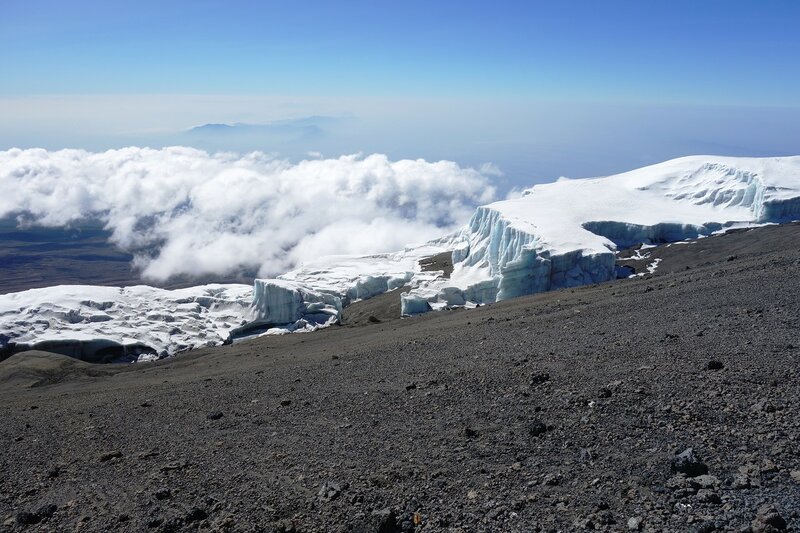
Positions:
{"x": 532, "y": 144}
{"x": 540, "y": 91}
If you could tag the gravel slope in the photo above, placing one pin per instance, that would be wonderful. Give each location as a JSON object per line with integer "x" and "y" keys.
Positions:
{"x": 558, "y": 412}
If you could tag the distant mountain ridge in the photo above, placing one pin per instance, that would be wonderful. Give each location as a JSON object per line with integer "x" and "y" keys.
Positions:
{"x": 302, "y": 128}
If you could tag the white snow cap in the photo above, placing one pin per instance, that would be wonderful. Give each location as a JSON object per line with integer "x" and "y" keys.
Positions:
{"x": 564, "y": 234}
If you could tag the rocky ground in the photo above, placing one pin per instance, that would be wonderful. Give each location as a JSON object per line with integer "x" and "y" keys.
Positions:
{"x": 667, "y": 402}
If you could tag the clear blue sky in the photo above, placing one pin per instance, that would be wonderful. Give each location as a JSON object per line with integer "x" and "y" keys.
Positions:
{"x": 680, "y": 51}
{"x": 729, "y": 61}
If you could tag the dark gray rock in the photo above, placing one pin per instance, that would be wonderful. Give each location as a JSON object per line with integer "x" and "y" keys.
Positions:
{"x": 384, "y": 521}
{"x": 687, "y": 462}
{"x": 768, "y": 520}
{"x": 537, "y": 428}
{"x": 195, "y": 514}
{"x": 539, "y": 378}
{"x": 329, "y": 491}
{"x": 26, "y": 518}
{"x": 708, "y": 496}
{"x": 41, "y": 514}
{"x": 107, "y": 456}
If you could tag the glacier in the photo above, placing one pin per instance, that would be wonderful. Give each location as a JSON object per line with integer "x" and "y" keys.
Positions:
{"x": 567, "y": 233}
{"x": 551, "y": 236}
{"x": 101, "y": 324}
{"x": 140, "y": 323}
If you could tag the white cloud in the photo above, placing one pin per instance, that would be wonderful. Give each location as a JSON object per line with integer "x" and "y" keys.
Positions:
{"x": 490, "y": 169}
{"x": 184, "y": 211}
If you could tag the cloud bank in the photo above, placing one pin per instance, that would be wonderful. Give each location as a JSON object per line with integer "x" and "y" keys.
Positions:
{"x": 183, "y": 211}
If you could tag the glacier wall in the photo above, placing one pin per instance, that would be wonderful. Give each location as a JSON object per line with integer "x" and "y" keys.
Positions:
{"x": 365, "y": 287}
{"x": 123, "y": 324}
{"x": 415, "y": 303}
{"x": 289, "y": 306}
{"x": 518, "y": 263}
{"x": 89, "y": 350}
{"x": 719, "y": 184}
{"x": 779, "y": 211}
{"x": 625, "y": 234}
{"x": 768, "y": 188}
{"x": 496, "y": 260}
{"x": 490, "y": 241}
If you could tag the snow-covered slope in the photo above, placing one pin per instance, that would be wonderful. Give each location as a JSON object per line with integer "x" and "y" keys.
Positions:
{"x": 565, "y": 234}
{"x": 354, "y": 278}
{"x": 141, "y": 322}
{"x": 556, "y": 235}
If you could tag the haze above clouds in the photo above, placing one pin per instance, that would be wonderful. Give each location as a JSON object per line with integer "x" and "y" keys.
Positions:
{"x": 530, "y": 141}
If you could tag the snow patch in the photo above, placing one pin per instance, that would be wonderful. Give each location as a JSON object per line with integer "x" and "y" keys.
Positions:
{"x": 122, "y": 323}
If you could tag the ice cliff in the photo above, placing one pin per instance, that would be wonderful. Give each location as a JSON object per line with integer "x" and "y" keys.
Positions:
{"x": 291, "y": 305}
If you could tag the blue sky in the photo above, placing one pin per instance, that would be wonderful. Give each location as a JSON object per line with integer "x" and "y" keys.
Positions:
{"x": 532, "y": 79}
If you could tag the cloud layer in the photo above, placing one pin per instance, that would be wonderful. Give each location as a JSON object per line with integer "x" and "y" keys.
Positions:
{"x": 184, "y": 211}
